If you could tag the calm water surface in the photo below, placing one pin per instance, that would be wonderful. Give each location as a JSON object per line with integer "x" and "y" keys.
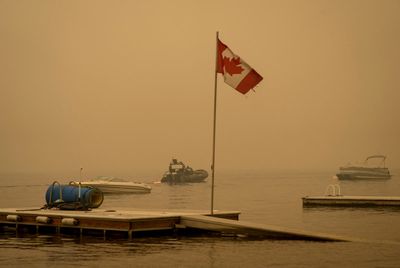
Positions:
{"x": 272, "y": 198}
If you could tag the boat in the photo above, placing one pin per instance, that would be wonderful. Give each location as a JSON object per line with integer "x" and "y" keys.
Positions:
{"x": 365, "y": 170}
{"x": 112, "y": 185}
{"x": 179, "y": 173}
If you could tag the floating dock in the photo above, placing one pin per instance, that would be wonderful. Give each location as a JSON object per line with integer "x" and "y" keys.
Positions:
{"x": 352, "y": 201}
{"x": 334, "y": 197}
{"x": 131, "y": 223}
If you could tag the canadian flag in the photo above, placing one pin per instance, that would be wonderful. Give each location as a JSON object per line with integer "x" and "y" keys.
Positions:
{"x": 237, "y": 73}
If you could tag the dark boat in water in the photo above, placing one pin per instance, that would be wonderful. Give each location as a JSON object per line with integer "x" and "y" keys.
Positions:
{"x": 179, "y": 173}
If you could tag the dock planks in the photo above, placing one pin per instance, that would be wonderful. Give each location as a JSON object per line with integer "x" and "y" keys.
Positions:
{"x": 254, "y": 229}
{"x": 352, "y": 201}
{"x": 132, "y": 222}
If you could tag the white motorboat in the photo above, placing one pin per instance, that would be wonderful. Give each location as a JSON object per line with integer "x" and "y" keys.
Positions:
{"x": 365, "y": 170}
{"x": 117, "y": 186}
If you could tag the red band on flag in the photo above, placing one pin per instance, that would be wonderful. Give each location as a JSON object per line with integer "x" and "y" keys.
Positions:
{"x": 249, "y": 82}
{"x": 237, "y": 73}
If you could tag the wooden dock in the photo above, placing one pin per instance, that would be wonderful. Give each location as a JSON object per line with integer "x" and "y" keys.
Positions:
{"x": 130, "y": 223}
{"x": 352, "y": 201}
{"x": 255, "y": 230}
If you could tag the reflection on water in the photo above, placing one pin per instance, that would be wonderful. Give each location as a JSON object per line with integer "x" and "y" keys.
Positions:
{"x": 192, "y": 252}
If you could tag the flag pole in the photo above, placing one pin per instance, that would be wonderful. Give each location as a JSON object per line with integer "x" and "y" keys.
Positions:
{"x": 215, "y": 124}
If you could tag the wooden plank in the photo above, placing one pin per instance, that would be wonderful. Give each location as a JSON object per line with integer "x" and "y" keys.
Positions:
{"x": 154, "y": 224}
{"x": 366, "y": 201}
{"x": 253, "y": 229}
{"x": 103, "y": 224}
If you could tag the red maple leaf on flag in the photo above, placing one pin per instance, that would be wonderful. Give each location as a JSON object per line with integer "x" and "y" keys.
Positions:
{"x": 232, "y": 65}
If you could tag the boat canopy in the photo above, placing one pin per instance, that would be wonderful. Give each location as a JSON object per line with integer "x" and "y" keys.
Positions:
{"x": 376, "y": 156}
{"x": 383, "y": 157}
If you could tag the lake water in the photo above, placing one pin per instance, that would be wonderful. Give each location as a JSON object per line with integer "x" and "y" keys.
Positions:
{"x": 272, "y": 198}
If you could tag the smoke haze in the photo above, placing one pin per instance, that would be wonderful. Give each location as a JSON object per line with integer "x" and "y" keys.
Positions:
{"x": 123, "y": 86}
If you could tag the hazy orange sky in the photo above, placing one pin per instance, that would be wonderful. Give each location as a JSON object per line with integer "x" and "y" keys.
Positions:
{"x": 123, "y": 86}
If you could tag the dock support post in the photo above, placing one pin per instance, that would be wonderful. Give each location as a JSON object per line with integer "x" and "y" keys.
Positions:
{"x": 130, "y": 231}
{"x": 130, "y": 234}
{"x": 16, "y": 230}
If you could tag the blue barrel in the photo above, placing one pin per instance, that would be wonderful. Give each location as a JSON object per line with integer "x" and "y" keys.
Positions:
{"x": 76, "y": 195}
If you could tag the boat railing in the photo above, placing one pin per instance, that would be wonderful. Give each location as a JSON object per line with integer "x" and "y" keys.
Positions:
{"x": 333, "y": 190}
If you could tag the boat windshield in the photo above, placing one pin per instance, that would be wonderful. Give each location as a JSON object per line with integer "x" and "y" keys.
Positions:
{"x": 106, "y": 178}
{"x": 177, "y": 166}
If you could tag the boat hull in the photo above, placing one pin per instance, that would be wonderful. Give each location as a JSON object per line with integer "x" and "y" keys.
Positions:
{"x": 197, "y": 176}
{"x": 362, "y": 173}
